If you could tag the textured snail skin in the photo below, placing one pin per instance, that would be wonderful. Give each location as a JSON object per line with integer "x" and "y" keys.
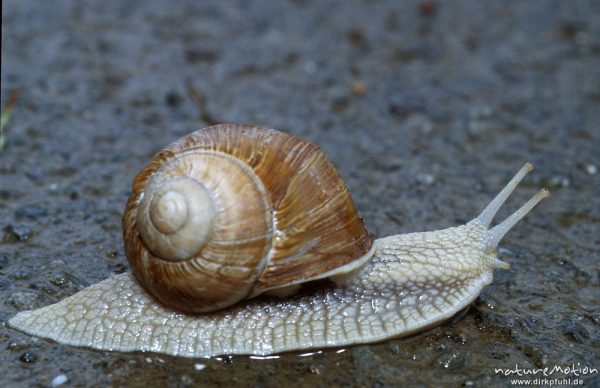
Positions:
{"x": 412, "y": 282}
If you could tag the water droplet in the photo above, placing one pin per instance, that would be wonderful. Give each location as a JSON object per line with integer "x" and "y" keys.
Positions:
{"x": 28, "y": 357}
{"x": 59, "y": 380}
{"x": 591, "y": 169}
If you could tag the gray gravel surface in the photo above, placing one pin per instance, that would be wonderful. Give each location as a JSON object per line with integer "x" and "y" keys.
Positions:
{"x": 426, "y": 108}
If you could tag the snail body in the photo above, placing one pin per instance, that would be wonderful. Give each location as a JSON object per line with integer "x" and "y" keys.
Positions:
{"x": 387, "y": 288}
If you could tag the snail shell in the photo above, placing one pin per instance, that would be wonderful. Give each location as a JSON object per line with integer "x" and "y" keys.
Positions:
{"x": 231, "y": 211}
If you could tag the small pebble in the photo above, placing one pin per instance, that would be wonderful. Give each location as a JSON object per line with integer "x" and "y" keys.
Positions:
{"x": 530, "y": 325}
{"x": 4, "y": 283}
{"x": 58, "y": 279}
{"x": 173, "y": 99}
{"x": 59, "y": 380}
{"x": 480, "y": 120}
{"x": 186, "y": 380}
{"x": 395, "y": 348}
{"x": 481, "y": 112}
{"x": 44, "y": 287}
{"x": 16, "y": 232}
{"x": 3, "y": 261}
{"x": 357, "y": 38}
{"x": 460, "y": 338}
{"x": 428, "y": 8}
{"x": 340, "y": 103}
{"x": 57, "y": 263}
{"x": 34, "y": 175}
{"x": 559, "y": 181}
{"x": 310, "y": 67}
{"x": 199, "y": 366}
{"x": 22, "y": 300}
{"x": 32, "y": 212}
{"x": 117, "y": 268}
{"x": 17, "y": 344}
{"x": 20, "y": 275}
{"x": 576, "y": 332}
{"x": 402, "y": 105}
{"x": 535, "y": 306}
{"x": 487, "y": 301}
{"x": 582, "y": 38}
{"x": 419, "y": 122}
{"x": 425, "y": 179}
{"x": 314, "y": 369}
{"x": 28, "y": 357}
{"x": 359, "y": 88}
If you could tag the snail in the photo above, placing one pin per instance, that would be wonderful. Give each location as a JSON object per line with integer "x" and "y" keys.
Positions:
{"x": 232, "y": 212}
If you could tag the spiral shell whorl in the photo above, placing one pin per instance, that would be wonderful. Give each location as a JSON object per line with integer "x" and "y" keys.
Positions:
{"x": 175, "y": 217}
{"x": 169, "y": 212}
